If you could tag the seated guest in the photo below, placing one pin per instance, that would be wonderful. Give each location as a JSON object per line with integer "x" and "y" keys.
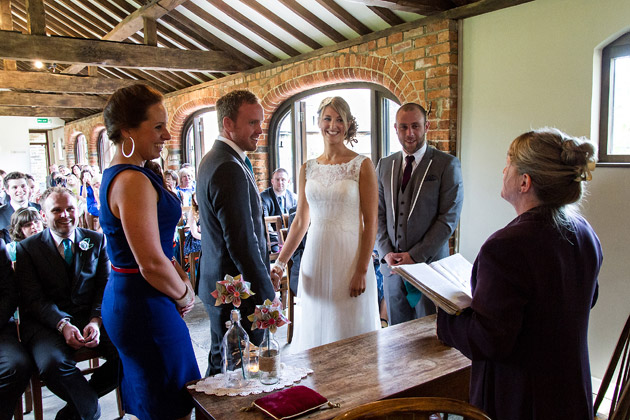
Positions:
{"x": 88, "y": 194}
{"x": 186, "y": 185}
{"x": 63, "y": 272}
{"x": 4, "y": 197}
{"x": 54, "y": 172}
{"x": 277, "y": 200}
{"x": 33, "y": 187}
{"x": 16, "y": 186}
{"x": 171, "y": 179}
{"x": 534, "y": 283}
{"x": 24, "y": 223}
{"x": 16, "y": 366}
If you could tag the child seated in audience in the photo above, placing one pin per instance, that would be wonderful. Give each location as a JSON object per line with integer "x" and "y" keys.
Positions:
{"x": 25, "y": 222}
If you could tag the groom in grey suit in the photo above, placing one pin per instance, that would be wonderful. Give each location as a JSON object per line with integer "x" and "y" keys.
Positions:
{"x": 231, "y": 214}
{"x": 420, "y": 200}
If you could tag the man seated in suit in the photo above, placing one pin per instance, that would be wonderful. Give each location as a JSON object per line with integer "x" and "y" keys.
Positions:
{"x": 62, "y": 274}
{"x": 16, "y": 366}
{"x": 16, "y": 186}
{"x": 277, "y": 199}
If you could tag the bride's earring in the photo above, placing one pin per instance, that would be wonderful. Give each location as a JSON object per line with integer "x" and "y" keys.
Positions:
{"x": 133, "y": 147}
{"x": 164, "y": 153}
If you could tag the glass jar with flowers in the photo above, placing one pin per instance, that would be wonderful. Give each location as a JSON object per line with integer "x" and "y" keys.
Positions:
{"x": 268, "y": 317}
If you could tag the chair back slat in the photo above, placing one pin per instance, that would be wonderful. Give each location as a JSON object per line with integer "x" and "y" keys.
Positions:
{"x": 619, "y": 362}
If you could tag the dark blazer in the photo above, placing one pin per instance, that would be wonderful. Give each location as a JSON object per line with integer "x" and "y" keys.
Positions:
{"x": 438, "y": 194}
{"x": 526, "y": 330}
{"x": 231, "y": 216}
{"x": 6, "y": 211}
{"x": 8, "y": 287}
{"x": 48, "y": 291}
{"x": 271, "y": 207}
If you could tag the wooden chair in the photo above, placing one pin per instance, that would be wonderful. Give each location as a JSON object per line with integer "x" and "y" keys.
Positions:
{"x": 419, "y": 408}
{"x": 273, "y": 225}
{"x": 192, "y": 259}
{"x": 285, "y": 220}
{"x": 620, "y": 363}
{"x": 82, "y": 355}
{"x": 181, "y": 232}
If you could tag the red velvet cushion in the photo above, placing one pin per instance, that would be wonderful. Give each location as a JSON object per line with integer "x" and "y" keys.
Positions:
{"x": 290, "y": 402}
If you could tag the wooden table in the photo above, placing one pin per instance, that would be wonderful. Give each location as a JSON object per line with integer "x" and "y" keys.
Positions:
{"x": 400, "y": 361}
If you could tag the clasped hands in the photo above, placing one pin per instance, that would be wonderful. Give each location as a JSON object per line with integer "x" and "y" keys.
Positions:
{"x": 90, "y": 338}
{"x": 398, "y": 258}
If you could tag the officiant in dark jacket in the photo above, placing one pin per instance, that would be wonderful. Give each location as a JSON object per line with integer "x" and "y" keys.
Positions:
{"x": 62, "y": 274}
{"x": 533, "y": 284}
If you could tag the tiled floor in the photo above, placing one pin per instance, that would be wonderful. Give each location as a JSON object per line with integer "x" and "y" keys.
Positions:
{"x": 199, "y": 326}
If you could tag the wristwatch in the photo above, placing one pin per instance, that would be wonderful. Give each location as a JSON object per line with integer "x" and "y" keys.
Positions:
{"x": 62, "y": 324}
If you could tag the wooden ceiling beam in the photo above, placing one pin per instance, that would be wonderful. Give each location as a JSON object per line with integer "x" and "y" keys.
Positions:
{"x": 422, "y": 7}
{"x": 134, "y": 22}
{"x": 313, "y": 20}
{"x": 391, "y": 18}
{"x": 342, "y": 14}
{"x": 283, "y": 24}
{"x": 36, "y": 17}
{"x": 211, "y": 20}
{"x": 254, "y": 27}
{"x": 103, "y": 53}
{"x": 6, "y": 24}
{"x": 46, "y": 82}
{"x": 50, "y": 100}
{"x": 24, "y": 111}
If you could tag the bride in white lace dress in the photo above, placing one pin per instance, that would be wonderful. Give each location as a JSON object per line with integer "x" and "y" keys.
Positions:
{"x": 338, "y": 196}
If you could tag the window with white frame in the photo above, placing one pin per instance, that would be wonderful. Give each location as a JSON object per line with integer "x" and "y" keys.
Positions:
{"x": 614, "y": 124}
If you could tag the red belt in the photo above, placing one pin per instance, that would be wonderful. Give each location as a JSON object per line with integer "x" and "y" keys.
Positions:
{"x": 125, "y": 270}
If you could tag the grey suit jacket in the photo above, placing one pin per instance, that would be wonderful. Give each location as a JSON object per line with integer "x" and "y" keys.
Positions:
{"x": 50, "y": 292}
{"x": 437, "y": 197}
{"x": 234, "y": 240}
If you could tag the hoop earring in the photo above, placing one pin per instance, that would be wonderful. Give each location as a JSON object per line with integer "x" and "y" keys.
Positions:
{"x": 133, "y": 147}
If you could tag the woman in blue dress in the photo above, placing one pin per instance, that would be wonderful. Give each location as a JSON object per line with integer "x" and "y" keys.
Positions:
{"x": 147, "y": 294}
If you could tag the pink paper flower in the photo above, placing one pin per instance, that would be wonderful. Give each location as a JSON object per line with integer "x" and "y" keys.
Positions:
{"x": 268, "y": 316}
{"x": 231, "y": 290}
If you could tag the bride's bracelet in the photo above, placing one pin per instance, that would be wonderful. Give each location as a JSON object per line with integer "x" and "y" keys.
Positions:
{"x": 281, "y": 265}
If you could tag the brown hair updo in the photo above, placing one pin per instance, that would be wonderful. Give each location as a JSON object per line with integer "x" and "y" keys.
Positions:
{"x": 557, "y": 164}
{"x": 127, "y": 108}
{"x": 342, "y": 108}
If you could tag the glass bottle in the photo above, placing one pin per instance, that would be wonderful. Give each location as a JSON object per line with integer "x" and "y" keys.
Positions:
{"x": 235, "y": 352}
{"x": 269, "y": 359}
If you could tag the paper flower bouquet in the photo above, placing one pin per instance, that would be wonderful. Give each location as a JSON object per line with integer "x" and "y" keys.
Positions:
{"x": 232, "y": 290}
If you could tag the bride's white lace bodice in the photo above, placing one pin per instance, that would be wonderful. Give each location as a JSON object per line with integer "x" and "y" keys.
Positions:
{"x": 332, "y": 192}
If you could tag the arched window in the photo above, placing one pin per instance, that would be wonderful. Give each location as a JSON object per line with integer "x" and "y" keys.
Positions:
{"x": 105, "y": 149}
{"x": 81, "y": 150}
{"x": 295, "y": 136}
{"x": 200, "y": 131}
{"x": 614, "y": 121}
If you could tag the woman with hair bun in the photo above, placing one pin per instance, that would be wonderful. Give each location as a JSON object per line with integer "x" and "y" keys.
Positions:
{"x": 338, "y": 198}
{"x": 147, "y": 293}
{"x": 534, "y": 283}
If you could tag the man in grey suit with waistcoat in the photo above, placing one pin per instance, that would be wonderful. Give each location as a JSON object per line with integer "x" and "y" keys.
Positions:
{"x": 420, "y": 200}
{"x": 231, "y": 214}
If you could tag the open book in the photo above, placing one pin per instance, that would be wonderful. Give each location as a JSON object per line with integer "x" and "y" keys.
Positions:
{"x": 446, "y": 282}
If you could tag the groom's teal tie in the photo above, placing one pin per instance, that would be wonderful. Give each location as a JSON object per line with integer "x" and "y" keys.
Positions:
{"x": 249, "y": 165}
{"x": 67, "y": 251}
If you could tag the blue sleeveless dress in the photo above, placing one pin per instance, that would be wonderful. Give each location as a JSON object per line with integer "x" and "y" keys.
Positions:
{"x": 152, "y": 339}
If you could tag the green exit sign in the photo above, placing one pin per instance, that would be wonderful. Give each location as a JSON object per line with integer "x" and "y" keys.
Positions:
{"x": 42, "y": 121}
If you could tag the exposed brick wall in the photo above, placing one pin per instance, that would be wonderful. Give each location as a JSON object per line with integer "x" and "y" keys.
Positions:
{"x": 416, "y": 65}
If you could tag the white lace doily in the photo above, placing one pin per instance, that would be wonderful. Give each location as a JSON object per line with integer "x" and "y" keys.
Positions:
{"x": 214, "y": 385}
